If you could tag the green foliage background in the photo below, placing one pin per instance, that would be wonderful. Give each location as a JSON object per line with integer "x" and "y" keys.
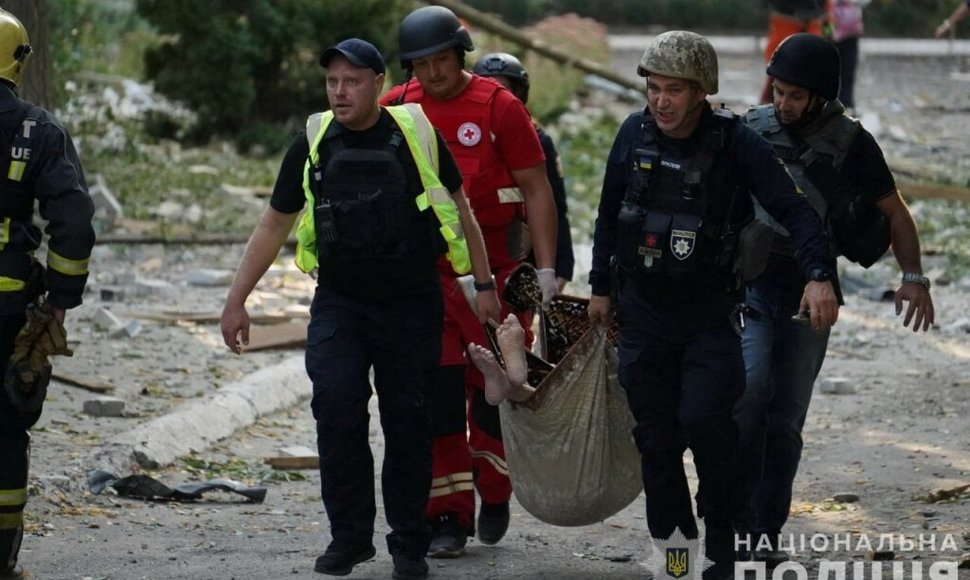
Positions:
{"x": 247, "y": 66}
{"x": 898, "y": 18}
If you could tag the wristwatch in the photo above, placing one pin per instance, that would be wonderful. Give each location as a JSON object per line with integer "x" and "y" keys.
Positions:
{"x": 916, "y": 278}
{"x": 483, "y": 286}
{"x": 819, "y": 275}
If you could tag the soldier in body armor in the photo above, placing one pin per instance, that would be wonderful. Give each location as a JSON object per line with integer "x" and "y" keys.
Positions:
{"x": 38, "y": 164}
{"x": 385, "y": 201}
{"x": 676, "y": 195}
{"x": 842, "y": 170}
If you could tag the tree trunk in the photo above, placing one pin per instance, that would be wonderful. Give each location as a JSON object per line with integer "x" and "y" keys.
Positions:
{"x": 37, "y": 82}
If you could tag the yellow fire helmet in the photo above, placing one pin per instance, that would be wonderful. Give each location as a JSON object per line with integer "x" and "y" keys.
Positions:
{"x": 14, "y": 47}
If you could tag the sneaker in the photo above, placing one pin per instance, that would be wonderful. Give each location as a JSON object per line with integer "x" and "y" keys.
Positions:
{"x": 341, "y": 557}
{"x": 447, "y": 539}
{"x": 409, "y": 567}
{"x": 493, "y": 521}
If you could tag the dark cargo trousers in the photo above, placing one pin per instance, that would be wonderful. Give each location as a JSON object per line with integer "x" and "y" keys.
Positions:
{"x": 14, "y": 452}
{"x": 682, "y": 370}
{"x": 401, "y": 341}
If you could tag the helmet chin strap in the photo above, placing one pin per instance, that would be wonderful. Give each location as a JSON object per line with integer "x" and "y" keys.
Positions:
{"x": 814, "y": 108}
{"x": 407, "y": 81}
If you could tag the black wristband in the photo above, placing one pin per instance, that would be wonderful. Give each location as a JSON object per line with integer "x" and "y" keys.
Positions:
{"x": 483, "y": 286}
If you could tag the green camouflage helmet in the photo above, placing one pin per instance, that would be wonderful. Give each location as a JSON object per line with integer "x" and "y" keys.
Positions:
{"x": 684, "y": 55}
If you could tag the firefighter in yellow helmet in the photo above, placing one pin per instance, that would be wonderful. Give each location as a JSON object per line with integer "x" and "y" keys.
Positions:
{"x": 38, "y": 162}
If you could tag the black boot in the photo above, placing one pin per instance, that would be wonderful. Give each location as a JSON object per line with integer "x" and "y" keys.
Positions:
{"x": 493, "y": 522}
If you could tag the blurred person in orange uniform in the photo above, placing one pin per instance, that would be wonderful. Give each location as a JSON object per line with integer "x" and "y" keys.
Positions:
{"x": 790, "y": 17}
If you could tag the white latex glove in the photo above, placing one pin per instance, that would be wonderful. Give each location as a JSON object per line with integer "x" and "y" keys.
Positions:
{"x": 548, "y": 285}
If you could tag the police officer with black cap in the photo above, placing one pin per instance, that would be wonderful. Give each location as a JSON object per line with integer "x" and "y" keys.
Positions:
{"x": 38, "y": 162}
{"x": 676, "y": 196}
{"x": 384, "y": 201}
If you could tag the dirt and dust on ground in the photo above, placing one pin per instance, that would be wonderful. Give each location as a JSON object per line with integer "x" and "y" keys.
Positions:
{"x": 888, "y": 436}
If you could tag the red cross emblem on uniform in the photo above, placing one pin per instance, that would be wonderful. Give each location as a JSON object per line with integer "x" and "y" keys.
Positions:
{"x": 469, "y": 134}
{"x": 650, "y": 241}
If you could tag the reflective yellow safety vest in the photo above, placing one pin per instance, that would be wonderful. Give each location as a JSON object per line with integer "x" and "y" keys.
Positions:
{"x": 423, "y": 144}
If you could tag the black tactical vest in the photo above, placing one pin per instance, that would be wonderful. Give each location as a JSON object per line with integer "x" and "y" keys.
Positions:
{"x": 363, "y": 210}
{"x": 675, "y": 220}
{"x": 815, "y": 163}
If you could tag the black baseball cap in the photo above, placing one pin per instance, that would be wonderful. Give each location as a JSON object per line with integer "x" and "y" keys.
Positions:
{"x": 360, "y": 52}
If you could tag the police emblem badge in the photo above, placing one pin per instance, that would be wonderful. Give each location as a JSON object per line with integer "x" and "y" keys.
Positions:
{"x": 682, "y": 243}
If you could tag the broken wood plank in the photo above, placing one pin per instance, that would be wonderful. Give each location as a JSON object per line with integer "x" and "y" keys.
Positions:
{"x": 298, "y": 457}
{"x": 74, "y": 381}
{"x": 290, "y": 334}
{"x": 213, "y": 317}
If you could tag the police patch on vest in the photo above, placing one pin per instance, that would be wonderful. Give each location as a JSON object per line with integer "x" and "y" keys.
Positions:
{"x": 682, "y": 243}
{"x": 469, "y": 134}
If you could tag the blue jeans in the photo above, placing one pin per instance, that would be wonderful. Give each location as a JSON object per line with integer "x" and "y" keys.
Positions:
{"x": 782, "y": 359}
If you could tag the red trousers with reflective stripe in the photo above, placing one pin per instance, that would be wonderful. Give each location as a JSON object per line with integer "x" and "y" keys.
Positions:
{"x": 464, "y": 461}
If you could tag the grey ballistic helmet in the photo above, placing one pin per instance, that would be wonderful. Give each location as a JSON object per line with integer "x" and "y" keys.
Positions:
{"x": 682, "y": 54}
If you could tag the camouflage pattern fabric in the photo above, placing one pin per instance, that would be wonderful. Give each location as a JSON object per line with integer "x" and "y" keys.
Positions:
{"x": 29, "y": 369}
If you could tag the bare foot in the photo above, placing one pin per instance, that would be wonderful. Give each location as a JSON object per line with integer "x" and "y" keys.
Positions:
{"x": 511, "y": 341}
{"x": 497, "y": 385}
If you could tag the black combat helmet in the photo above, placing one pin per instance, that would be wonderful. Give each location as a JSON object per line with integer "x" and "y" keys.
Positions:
{"x": 429, "y": 30}
{"x": 503, "y": 64}
{"x": 808, "y": 61}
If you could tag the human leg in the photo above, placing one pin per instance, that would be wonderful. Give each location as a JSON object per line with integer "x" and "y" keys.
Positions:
{"x": 713, "y": 376}
{"x": 405, "y": 339}
{"x": 14, "y": 457}
{"x": 649, "y": 361}
{"x": 751, "y": 410}
{"x": 485, "y": 434}
{"x": 338, "y": 368}
{"x": 451, "y": 505}
{"x": 849, "y": 56}
{"x": 800, "y": 354}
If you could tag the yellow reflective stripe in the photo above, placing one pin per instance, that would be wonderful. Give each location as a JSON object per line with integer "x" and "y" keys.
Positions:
{"x": 11, "y": 521}
{"x": 510, "y": 195}
{"x": 497, "y": 462}
{"x": 4, "y": 232}
{"x": 11, "y": 285}
{"x": 452, "y": 478}
{"x": 16, "y": 171}
{"x": 424, "y": 131}
{"x": 455, "y": 488}
{"x": 13, "y": 496}
{"x": 66, "y": 266}
{"x": 452, "y": 483}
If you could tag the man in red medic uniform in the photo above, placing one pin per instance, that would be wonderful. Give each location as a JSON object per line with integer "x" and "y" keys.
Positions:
{"x": 490, "y": 135}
